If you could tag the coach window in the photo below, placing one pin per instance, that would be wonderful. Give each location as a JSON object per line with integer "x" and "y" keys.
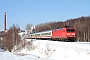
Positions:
{"x": 38, "y": 34}
{"x": 46, "y": 33}
{"x": 49, "y": 33}
{"x": 42, "y": 34}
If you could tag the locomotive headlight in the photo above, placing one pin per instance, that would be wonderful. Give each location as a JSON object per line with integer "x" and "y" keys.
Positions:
{"x": 73, "y": 33}
{"x": 68, "y": 33}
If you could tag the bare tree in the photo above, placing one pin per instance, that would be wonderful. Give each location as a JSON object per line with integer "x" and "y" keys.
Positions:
{"x": 11, "y": 38}
{"x": 28, "y": 28}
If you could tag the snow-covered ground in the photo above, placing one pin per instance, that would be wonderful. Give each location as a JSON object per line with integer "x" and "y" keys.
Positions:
{"x": 50, "y": 50}
{"x": 15, "y": 56}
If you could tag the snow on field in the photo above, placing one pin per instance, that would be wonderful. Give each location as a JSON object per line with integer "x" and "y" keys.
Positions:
{"x": 21, "y": 56}
{"x": 51, "y": 50}
{"x": 60, "y": 50}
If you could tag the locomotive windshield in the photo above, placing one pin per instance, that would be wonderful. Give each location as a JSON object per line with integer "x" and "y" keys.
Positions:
{"x": 70, "y": 30}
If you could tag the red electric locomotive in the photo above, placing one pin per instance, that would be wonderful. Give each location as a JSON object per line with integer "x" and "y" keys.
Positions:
{"x": 64, "y": 34}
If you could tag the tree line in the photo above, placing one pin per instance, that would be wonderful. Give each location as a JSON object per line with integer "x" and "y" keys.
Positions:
{"x": 81, "y": 25}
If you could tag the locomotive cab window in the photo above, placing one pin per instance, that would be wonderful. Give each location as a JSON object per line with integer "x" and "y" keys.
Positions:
{"x": 70, "y": 30}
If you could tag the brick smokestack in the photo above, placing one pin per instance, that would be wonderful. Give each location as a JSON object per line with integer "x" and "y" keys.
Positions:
{"x": 4, "y": 21}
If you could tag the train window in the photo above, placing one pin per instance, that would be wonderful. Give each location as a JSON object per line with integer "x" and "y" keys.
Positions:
{"x": 38, "y": 34}
{"x": 42, "y": 34}
{"x": 49, "y": 33}
{"x": 70, "y": 30}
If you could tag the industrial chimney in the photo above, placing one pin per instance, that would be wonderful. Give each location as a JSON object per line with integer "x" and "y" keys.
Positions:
{"x": 4, "y": 21}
